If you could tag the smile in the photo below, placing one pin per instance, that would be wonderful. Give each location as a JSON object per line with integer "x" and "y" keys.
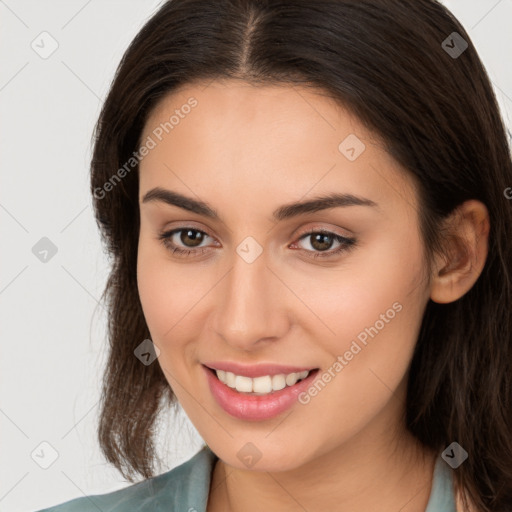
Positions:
{"x": 257, "y": 398}
{"x": 260, "y": 385}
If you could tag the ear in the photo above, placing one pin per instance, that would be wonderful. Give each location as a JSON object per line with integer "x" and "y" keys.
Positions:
{"x": 457, "y": 271}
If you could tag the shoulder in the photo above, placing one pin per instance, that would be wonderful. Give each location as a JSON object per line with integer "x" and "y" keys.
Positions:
{"x": 182, "y": 488}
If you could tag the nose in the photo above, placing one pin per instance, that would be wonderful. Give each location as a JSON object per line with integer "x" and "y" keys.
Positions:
{"x": 252, "y": 305}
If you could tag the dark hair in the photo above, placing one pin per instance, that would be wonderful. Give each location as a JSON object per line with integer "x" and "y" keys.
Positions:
{"x": 385, "y": 61}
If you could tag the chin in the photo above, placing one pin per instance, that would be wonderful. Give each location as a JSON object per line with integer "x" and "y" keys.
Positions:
{"x": 264, "y": 456}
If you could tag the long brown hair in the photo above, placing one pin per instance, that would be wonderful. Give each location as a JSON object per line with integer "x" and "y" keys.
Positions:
{"x": 388, "y": 63}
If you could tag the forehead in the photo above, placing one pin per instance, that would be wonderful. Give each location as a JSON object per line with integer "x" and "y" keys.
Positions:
{"x": 233, "y": 102}
{"x": 231, "y": 135}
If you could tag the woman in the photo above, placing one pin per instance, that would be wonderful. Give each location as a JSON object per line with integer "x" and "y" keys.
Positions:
{"x": 306, "y": 206}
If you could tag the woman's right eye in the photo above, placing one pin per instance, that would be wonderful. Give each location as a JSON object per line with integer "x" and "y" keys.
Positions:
{"x": 188, "y": 234}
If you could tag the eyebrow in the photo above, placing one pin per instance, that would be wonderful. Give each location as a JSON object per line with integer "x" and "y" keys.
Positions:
{"x": 286, "y": 211}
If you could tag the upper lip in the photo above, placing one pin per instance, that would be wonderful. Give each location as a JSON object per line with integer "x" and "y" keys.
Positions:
{"x": 255, "y": 370}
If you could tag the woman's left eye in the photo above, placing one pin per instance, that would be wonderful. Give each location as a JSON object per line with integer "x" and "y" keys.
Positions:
{"x": 321, "y": 241}
{"x": 322, "y": 238}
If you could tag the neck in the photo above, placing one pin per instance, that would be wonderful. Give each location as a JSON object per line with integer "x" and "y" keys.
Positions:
{"x": 373, "y": 471}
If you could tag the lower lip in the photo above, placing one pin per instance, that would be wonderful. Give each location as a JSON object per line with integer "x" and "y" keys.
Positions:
{"x": 256, "y": 407}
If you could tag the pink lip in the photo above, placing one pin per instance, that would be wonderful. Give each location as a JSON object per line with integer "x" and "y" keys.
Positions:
{"x": 253, "y": 371}
{"x": 255, "y": 407}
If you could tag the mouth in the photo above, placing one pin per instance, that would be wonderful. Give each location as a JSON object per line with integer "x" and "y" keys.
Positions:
{"x": 261, "y": 397}
{"x": 263, "y": 385}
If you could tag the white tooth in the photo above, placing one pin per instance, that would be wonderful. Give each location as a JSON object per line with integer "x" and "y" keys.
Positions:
{"x": 230, "y": 379}
{"x": 262, "y": 384}
{"x": 243, "y": 384}
{"x": 278, "y": 382}
{"x": 291, "y": 379}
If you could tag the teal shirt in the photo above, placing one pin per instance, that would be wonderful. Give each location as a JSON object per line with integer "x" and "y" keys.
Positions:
{"x": 186, "y": 487}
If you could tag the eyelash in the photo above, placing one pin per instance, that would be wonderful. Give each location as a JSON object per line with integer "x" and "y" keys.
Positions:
{"x": 346, "y": 243}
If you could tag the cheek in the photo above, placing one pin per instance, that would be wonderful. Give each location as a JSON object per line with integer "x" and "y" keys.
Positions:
{"x": 371, "y": 309}
{"x": 375, "y": 311}
{"x": 167, "y": 298}
{"x": 161, "y": 288}
{"x": 171, "y": 295}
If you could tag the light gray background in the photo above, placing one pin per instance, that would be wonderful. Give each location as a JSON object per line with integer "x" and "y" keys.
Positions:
{"x": 53, "y": 330}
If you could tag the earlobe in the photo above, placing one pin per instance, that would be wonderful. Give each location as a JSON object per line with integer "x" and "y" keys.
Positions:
{"x": 458, "y": 269}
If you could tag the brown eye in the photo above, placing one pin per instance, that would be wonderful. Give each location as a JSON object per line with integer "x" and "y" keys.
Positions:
{"x": 321, "y": 242}
{"x": 187, "y": 243}
{"x": 191, "y": 237}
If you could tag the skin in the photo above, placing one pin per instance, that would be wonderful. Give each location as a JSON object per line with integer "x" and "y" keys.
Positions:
{"x": 247, "y": 150}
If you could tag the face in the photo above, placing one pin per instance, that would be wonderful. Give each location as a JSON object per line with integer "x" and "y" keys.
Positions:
{"x": 241, "y": 284}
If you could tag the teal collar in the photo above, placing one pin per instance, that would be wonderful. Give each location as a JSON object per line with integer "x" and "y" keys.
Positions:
{"x": 442, "y": 497}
